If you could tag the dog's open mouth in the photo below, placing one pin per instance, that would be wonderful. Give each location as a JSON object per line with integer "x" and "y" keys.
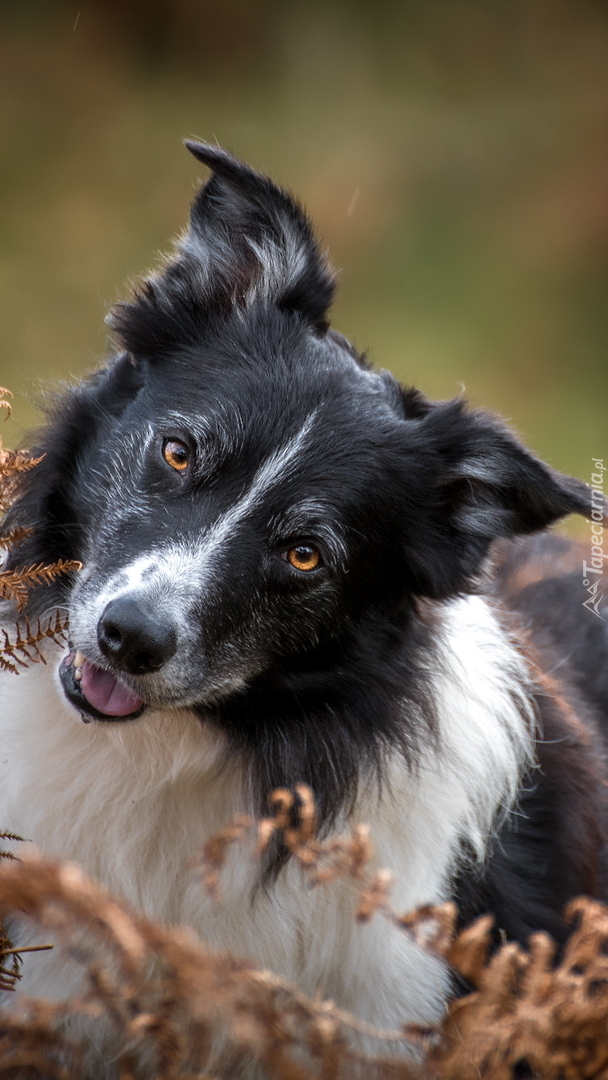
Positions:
{"x": 96, "y": 693}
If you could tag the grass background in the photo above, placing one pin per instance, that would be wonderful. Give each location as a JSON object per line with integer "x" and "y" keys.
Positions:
{"x": 452, "y": 153}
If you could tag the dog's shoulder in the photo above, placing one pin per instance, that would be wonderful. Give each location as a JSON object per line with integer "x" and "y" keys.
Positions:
{"x": 552, "y": 845}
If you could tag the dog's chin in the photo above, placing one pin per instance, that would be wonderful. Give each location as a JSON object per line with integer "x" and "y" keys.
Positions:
{"x": 97, "y": 694}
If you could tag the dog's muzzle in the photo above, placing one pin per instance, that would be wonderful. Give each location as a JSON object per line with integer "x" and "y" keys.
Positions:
{"x": 135, "y": 641}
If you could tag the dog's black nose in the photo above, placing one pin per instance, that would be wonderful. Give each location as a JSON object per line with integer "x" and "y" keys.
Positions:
{"x": 134, "y": 638}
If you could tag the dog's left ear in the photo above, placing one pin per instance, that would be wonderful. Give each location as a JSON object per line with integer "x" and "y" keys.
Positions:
{"x": 252, "y": 239}
{"x": 247, "y": 240}
{"x": 479, "y": 483}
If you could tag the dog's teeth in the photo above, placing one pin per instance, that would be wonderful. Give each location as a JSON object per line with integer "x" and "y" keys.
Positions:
{"x": 78, "y": 662}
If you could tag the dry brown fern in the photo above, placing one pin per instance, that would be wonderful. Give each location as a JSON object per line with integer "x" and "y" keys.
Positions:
{"x": 533, "y": 1017}
{"x": 528, "y": 1016}
{"x": 21, "y": 647}
{"x": 15, "y": 537}
{"x": 13, "y": 463}
{"x": 166, "y": 1022}
{"x": 293, "y": 823}
{"x": 8, "y": 955}
{"x": 15, "y": 584}
{"x": 5, "y": 404}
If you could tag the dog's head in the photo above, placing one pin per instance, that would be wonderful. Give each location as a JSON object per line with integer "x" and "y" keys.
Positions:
{"x": 256, "y": 509}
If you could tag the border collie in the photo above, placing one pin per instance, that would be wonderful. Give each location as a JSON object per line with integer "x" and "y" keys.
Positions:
{"x": 288, "y": 578}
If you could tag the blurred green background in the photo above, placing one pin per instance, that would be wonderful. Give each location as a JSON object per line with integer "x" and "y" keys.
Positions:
{"x": 453, "y": 155}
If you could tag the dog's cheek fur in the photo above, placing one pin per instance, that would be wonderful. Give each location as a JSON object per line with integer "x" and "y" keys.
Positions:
{"x": 56, "y": 500}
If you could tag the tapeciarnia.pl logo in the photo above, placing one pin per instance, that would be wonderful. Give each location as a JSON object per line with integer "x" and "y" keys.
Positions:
{"x": 593, "y": 571}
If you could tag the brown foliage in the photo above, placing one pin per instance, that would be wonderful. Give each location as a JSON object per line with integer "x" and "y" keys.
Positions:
{"x": 168, "y": 1019}
{"x": 21, "y": 647}
{"x": 533, "y": 1017}
{"x": 8, "y": 955}
{"x": 15, "y": 585}
{"x": 530, "y": 1015}
{"x": 293, "y": 824}
{"x": 167, "y": 998}
{"x": 12, "y": 464}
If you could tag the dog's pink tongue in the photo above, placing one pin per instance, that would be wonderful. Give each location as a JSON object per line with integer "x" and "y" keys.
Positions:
{"x": 106, "y": 693}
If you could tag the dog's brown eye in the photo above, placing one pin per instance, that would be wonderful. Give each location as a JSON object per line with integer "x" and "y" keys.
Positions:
{"x": 176, "y": 454}
{"x": 304, "y": 557}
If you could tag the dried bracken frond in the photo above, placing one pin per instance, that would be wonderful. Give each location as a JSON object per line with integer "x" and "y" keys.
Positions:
{"x": 527, "y": 1017}
{"x": 530, "y": 1017}
{"x": 166, "y": 999}
{"x": 30, "y": 1048}
{"x": 13, "y": 463}
{"x": 6, "y": 405}
{"x": 293, "y": 824}
{"x": 21, "y": 647}
{"x": 216, "y": 850}
{"x": 15, "y": 585}
{"x": 375, "y": 897}
{"x": 15, "y": 537}
{"x": 10, "y": 961}
{"x": 12, "y": 588}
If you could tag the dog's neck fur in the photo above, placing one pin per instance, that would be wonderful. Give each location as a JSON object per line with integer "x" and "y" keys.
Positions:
{"x": 132, "y": 804}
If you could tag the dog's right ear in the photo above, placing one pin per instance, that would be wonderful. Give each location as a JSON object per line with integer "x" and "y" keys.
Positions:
{"x": 247, "y": 240}
{"x": 256, "y": 239}
{"x": 467, "y": 482}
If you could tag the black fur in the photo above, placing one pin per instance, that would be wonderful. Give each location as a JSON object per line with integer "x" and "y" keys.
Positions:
{"x": 411, "y": 494}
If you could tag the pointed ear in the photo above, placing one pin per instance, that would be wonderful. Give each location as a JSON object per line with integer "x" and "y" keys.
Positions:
{"x": 247, "y": 240}
{"x": 253, "y": 239}
{"x": 481, "y": 484}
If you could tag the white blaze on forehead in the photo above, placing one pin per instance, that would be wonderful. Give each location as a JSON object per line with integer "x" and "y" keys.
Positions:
{"x": 176, "y": 567}
{"x": 276, "y": 468}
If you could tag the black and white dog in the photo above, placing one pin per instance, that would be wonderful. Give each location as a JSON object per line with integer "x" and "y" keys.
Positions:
{"x": 285, "y": 580}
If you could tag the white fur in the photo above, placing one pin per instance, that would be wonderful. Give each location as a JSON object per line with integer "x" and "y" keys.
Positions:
{"x": 279, "y": 262}
{"x": 132, "y": 803}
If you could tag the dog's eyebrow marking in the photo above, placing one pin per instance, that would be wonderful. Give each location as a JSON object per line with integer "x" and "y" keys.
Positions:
{"x": 276, "y": 467}
{"x": 316, "y": 517}
{"x": 198, "y": 425}
{"x": 217, "y": 435}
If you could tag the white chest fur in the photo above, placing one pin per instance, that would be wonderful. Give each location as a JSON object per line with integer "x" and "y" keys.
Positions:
{"x": 133, "y": 803}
